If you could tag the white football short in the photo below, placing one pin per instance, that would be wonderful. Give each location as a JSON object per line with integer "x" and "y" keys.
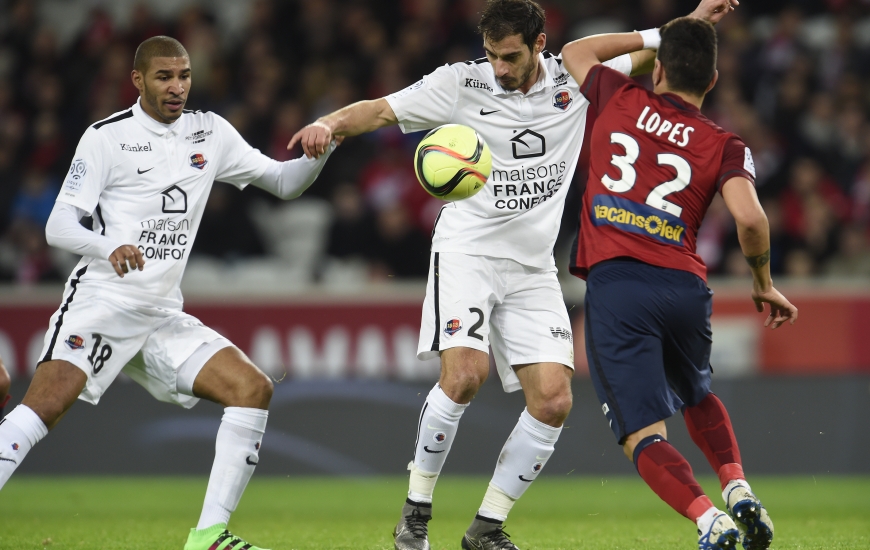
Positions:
{"x": 480, "y": 301}
{"x": 161, "y": 349}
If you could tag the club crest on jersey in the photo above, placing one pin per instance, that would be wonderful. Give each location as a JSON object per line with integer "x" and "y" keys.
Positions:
{"x": 638, "y": 218}
{"x": 537, "y": 467}
{"x": 440, "y": 437}
{"x": 562, "y": 100}
{"x": 197, "y": 160}
{"x": 75, "y": 342}
{"x": 453, "y": 326}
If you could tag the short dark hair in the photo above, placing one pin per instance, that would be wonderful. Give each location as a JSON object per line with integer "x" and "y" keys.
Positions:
{"x": 503, "y": 18}
{"x": 157, "y": 46}
{"x": 688, "y": 55}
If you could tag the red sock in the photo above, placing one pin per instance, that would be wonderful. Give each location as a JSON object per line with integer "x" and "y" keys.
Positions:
{"x": 710, "y": 428}
{"x": 669, "y": 475}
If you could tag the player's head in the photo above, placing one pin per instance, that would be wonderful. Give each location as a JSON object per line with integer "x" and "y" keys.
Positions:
{"x": 686, "y": 60}
{"x": 513, "y": 36}
{"x": 161, "y": 73}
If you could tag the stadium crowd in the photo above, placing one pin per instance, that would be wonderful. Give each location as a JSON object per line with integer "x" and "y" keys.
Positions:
{"x": 793, "y": 83}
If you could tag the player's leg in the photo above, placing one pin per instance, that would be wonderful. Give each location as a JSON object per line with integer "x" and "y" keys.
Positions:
{"x": 628, "y": 322}
{"x": 710, "y": 428}
{"x": 454, "y": 326}
{"x": 230, "y": 379}
{"x": 688, "y": 358}
{"x": 533, "y": 348}
{"x": 53, "y": 390}
{"x": 88, "y": 342}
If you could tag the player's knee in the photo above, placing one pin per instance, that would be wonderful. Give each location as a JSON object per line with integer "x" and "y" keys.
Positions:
{"x": 461, "y": 385}
{"x": 554, "y": 409}
{"x": 260, "y": 389}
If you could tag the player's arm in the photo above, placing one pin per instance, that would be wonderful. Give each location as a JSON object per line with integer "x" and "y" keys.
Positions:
{"x": 289, "y": 179}
{"x": 353, "y": 120}
{"x": 753, "y": 233}
{"x": 581, "y": 55}
{"x": 63, "y": 230}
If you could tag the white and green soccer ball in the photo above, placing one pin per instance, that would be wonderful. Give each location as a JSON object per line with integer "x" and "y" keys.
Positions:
{"x": 452, "y": 162}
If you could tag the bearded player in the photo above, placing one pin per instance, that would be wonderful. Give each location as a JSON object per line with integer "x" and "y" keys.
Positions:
{"x": 492, "y": 278}
{"x": 144, "y": 175}
{"x": 656, "y": 164}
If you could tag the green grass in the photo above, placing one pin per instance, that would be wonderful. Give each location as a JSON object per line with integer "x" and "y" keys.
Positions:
{"x": 284, "y": 513}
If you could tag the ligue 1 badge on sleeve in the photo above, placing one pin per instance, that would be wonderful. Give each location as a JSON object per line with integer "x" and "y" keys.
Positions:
{"x": 198, "y": 161}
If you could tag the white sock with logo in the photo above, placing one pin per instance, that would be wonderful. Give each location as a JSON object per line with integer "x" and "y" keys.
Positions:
{"x": 439, "y": 421}
{"x": 19, "y": 432}
{"x": 522, "y": 458}
{"x": 237, "y": 449}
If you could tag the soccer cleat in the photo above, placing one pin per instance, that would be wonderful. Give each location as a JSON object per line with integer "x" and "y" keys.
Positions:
{"x": 216, "y": 537}
{"x": 751, "y": 517}
{"x": 412, "y": 532}
{"x": 487, "y": 534}
{"x": 722, "y": 534}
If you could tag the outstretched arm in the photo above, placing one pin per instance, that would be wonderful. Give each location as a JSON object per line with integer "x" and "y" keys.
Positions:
{"x": 359, "y": 118}
{"x": 753, "y": 233}
{"x": 581, "y": 55}
{"x": 289, "y": 179}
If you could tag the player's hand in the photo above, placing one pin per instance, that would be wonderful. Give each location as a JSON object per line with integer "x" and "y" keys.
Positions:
{"x": 714, "y": 10}
{"x": 314, "y": 138}
{"x": 781, "y": 310}
{"x": 125, "y": 258}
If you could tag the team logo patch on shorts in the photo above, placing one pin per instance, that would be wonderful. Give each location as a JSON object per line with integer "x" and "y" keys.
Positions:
{"x": 75, "y": 342}
{"x": 197, "y": 160}
{"x": 537, "y": 467}
{"x": 562, "y": 100}
{"x": 638, "y": 218}
{"x": 440, "y": 437}
{"x": 15, "y": 446}
{"x": 453, "y": 326}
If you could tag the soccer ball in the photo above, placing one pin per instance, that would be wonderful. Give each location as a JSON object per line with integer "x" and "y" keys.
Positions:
{"x": 452, "y": 162}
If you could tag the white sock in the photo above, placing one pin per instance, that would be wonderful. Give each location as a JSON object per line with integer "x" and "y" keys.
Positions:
{"x": 706, "y": 519}
{"x": 522, "y": 458}
{"x": 439, "y": 421}
{"x": 236, "y": 455}
{"x": 19, "y": 432}
{"x": 731, "y": 485}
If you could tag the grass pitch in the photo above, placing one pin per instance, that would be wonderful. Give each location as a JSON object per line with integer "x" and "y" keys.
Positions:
{"x": 307, "y": 513}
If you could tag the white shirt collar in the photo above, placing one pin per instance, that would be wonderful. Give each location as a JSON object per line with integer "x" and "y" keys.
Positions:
{"x": 148, "y": 122}
{"x": 545, "y": 80}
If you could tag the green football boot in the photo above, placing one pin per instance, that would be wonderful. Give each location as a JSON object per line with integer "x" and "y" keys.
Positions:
{"x": 217, "y": 537}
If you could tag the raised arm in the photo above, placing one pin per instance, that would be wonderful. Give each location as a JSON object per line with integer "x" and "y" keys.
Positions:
{"x": 754, "y": 236}
{"x": 359, "y": 118}
{"x": 581, "y": 55}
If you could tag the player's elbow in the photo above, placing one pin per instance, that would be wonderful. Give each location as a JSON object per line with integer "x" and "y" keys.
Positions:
{"x": 751, "y": 222}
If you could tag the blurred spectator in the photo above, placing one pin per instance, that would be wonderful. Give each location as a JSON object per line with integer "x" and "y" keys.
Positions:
{"x": 792, "y": 84}
{"x": 226, "y": 232}
{"x": 352, "y": 233}
{"x": 853, "y": 255}
{"x": 402, "y": 250}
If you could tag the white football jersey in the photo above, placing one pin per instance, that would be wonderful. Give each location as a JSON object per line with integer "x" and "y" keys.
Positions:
{"x": 535, "y": 140}
{"x": 146, "y": 184}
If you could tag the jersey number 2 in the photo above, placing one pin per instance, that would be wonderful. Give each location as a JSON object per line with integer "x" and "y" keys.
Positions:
{"x": 625, "y": 163}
